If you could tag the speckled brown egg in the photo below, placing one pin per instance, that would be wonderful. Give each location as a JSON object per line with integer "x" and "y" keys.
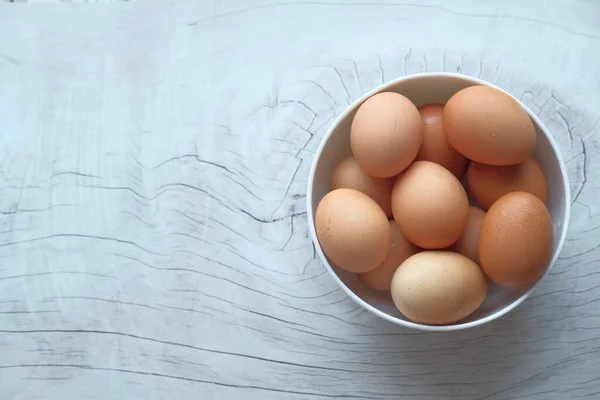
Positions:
{"x": 380, "y": 278}
{"x": 348, "y": 174}
{"x": 468, "y": 243}
{"x": 438, "y": 287}
{"x": 385, "y": 135}
{"x": 353, "y": 230}
{"x": 430, "y": 205}
{"x": 488, "y": 183}
{"x": 515, "y": 242}
{"x": 435, "y": 146}
{"x": 488, "y": 126}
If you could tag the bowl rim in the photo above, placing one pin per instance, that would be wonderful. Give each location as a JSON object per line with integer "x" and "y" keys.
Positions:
{"x": 434, "y": 328}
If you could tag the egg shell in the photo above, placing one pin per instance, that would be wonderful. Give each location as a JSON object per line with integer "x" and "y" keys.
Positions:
{"x": 353, "y": 230}
{"x": 515, "y": 242}
{"x": 349, "y": 174}
{"x": 385, "y": 134}
{"x": 380, "y": 278}
{"x": 487, "y": 183}
{"x": 438, "y": 287}
{"x": 435, "y": 146}
{"x": 430, "y": 205}
{"x": 488, "y": 126}
{"x": 468, "y": 244}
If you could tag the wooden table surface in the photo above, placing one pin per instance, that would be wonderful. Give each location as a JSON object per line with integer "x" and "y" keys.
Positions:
{"x": 153, "y": 168}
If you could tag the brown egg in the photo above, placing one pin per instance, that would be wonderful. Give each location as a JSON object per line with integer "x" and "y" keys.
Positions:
{"x": 515, "y": 242}
{"x": 348, "y": 174}
{"x": 488, "y": 126}
{"x": 438, "y": 287}
{"x": 488, "y": 183}
{"x": 429, "y": 205}
{"x": 435, "y": 146}
{"x": 380, "y": 278}
{"x": 386, "y": 134}
{"x": 352, "y": 230}
{"x": 468, "y": 243}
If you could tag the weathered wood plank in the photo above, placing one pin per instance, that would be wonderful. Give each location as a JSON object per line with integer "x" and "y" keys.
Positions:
{"x": 153, "y": 168}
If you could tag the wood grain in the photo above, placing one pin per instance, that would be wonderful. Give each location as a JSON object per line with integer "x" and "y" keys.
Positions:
{"x": 153, "y": 230}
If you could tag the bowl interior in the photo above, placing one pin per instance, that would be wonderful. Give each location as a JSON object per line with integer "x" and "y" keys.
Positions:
{"x": 424, "y": 89}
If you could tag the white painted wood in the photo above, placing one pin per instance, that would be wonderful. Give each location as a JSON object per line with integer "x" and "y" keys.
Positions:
{"x": 153, "y": 163}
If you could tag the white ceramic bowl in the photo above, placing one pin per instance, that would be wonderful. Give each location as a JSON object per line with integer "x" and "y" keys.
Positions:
{"x": 423, "y": 89}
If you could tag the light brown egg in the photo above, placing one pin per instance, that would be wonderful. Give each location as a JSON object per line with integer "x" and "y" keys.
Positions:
{"x": 468, "y": 243}
{"x": 488, "y": 183}
{"x": 385, "y": 135}
{"x": 348, "y": 174}
{"x": 488, "y": 126}
{"x": 435, "y": 146}
{"x": 515, "y": 242}
{"x": 380, "y": 278}
{"x": 429, "y": 205}
{"x": 438, "y": 287}
{"x": 353, "y": 230}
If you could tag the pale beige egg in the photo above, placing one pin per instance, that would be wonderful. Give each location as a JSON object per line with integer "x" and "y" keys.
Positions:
{"x": 438, "y": 287}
